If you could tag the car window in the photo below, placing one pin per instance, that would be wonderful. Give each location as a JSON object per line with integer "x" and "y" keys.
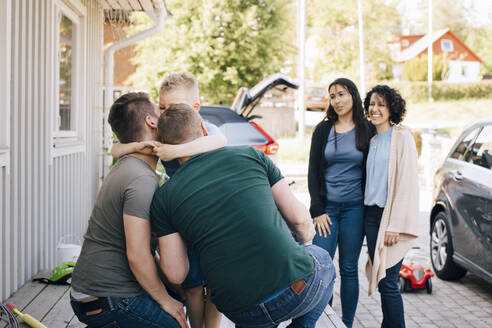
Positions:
{"x": 462, "y": 147}
{"x": 481, "y": 151}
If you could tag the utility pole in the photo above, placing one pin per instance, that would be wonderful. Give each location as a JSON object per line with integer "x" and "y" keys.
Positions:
{"x": 429, "y": 51}
{"x": 301, "y": 38}
{"x": 361, "y": 51}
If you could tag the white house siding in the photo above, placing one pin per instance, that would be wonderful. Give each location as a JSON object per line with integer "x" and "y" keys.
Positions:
{"x": 42, "y": 197}
{"x": 463, "y": 71}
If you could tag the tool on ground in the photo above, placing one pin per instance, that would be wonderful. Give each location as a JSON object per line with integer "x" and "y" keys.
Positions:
{"x": 31, "y": 321}
{"x": 60, "y": 274}
{"x": 7, "y": 316}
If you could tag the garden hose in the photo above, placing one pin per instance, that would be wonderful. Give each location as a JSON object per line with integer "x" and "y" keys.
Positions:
{"x": 7, "y": 316}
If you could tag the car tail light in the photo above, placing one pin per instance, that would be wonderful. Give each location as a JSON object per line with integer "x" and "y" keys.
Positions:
{"x": 271, "y": 147}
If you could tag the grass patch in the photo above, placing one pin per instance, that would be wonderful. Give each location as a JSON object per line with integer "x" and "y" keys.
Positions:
{"x": 294, "y": 150}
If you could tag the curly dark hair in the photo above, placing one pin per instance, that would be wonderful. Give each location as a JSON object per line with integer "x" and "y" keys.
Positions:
{"x": 362, "y": 130}
{"x": 396, "y": 104}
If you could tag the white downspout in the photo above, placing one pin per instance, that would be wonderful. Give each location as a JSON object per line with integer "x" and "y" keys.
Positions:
{"x": 159, "y": 20}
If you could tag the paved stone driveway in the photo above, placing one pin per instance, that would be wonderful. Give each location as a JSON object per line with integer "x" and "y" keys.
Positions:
{"x": 464, "y": 303}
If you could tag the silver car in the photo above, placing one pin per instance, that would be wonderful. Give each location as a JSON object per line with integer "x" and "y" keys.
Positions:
{"x": 461, "y": 216}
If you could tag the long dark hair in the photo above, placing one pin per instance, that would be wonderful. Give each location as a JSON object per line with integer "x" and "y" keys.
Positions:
{"x": 362, "y": 131}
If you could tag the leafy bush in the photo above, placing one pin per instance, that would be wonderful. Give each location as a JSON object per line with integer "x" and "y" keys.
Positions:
{"x": 441, "y": 91}
{"x": 416, "y": 68}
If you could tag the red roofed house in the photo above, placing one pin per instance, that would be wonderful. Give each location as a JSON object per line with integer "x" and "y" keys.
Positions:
{"x": 464, "y": 64}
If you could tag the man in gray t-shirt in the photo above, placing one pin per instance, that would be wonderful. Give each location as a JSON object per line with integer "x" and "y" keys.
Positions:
{"x": 103, "y": 269}
{"x": 115, "y": 279}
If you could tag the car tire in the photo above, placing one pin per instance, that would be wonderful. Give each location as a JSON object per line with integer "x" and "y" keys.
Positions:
{"x": 441, "y": 250}
{"x": 428, "y": 286}
{"x": 404, "y": 284}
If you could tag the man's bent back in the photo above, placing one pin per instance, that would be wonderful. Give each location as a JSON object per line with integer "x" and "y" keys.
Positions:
{"x": 226, "y": 204}
{"x": 103, "y": 269}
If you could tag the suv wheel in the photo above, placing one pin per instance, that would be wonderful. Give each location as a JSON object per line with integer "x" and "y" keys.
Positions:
{"x": 441, "y": 246}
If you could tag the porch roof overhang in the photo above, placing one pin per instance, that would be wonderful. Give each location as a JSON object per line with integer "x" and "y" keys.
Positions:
{"x": 132, "y": 5}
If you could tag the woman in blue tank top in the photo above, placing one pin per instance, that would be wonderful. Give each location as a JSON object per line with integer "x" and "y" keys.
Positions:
{"x": 336, "y": 179}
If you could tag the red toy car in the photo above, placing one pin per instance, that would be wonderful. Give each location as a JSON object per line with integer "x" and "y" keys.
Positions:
{"x": 413, "y": 274}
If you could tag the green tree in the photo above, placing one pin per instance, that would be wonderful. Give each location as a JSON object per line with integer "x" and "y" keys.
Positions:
{"x": 335, "y": 25}
{"x": 479, "y": 41}
{"x": 226, "y": 44}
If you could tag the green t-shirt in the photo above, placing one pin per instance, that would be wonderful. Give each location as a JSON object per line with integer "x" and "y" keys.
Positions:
{"x": 221, "y": 203}
{"x": 102, "y": 268}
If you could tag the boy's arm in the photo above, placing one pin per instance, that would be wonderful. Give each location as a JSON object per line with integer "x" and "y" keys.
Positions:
{"x": 204, "y": 144}
{"x": 143, "y": 147}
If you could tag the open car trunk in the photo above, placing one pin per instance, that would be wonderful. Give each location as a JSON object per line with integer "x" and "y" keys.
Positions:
{"x": 247, "y": 99}
{"x": 235, "y": 123}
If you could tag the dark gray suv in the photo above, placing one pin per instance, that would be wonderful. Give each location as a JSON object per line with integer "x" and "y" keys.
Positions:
{"x": 461, "y": 216}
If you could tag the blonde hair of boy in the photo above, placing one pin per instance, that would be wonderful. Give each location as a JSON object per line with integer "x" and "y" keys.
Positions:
{"x": 179, "y": 88}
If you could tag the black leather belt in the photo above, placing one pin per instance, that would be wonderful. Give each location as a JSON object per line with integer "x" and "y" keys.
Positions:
{"x": 94, "y": 305}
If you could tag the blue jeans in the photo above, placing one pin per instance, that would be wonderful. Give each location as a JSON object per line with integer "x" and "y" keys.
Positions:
{"x": 391, "y": 301}
{"x": 347, "y": 231}
{"x": 195, "y": 277}
{"x": 129, "y": 312}
{"x": 304, "y": 309}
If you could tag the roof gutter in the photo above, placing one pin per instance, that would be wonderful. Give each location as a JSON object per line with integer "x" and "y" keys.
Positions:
{"x": 160, "y": 17}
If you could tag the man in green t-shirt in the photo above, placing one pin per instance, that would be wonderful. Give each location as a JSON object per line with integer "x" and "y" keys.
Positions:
{"x": 237, "y": 211}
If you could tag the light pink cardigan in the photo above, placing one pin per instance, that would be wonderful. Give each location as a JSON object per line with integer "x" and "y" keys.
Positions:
{"x": 401, "y": 213}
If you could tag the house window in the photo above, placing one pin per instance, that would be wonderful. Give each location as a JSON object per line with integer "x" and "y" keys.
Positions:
{"x": 463, "y": 70}
{"x": 65, "y": 56}
{"x": 405, "y": 43}
{"x": 446, "y": 45}
{"x": 68, "y": 121}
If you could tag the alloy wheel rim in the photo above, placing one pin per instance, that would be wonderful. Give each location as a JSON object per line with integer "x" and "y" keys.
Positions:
{"x": 439, "y": 244}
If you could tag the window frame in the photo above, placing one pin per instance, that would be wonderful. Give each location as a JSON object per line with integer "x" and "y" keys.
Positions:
{"x": 448, "y": 42}
{"x": 70, "y": 141}
{"x": 473, "y": 133}
{"x": 477, "y": 137}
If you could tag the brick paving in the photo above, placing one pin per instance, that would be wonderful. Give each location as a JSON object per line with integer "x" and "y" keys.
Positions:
{"x": 463, "y": 303}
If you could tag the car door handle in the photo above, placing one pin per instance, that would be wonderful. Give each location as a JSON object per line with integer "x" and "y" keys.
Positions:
{"x": 486, "y": 217}
{"x": 458, "y": 176}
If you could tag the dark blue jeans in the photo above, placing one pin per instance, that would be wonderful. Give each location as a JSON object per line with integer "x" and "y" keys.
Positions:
{"x": 347, "y": 232}
{"x": 129, "y": 312}
{"x": 391, "y": 301}
{"x": 304, "y": 309}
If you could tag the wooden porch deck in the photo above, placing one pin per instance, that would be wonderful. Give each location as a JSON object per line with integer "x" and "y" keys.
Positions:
{"x": 50, "y": 304}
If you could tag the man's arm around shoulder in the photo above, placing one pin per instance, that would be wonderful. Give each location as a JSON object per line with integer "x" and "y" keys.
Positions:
{"x": 137, "y": 234}
{"x": 294, "y": 212}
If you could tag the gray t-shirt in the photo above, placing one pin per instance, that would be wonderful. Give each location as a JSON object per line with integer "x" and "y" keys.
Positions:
{"x": 102, "y": 268}
{"x": 377, "y": 169}
{"x": 343, "y": 169}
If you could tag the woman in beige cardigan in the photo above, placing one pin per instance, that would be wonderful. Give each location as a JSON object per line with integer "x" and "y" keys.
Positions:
{"x": 391, "y": 199}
